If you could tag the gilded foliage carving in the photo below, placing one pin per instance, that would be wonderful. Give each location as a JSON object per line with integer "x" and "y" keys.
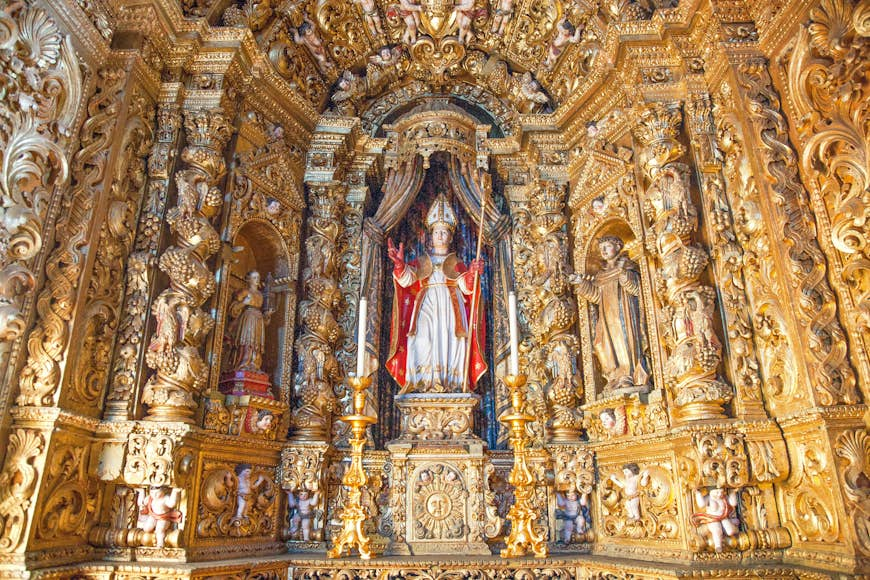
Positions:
{"x": 70, "y": 497}
{"x": 237, "y": 500}
{"x": 17, "y": 485}
{"x": 41, "y": 87}
{"x": 182, "y": 325}
{"x": 775, "y": 352}
{"x": 827, "y": 72}
{"x": 815, "y": 306}
{"x": 808, "y": 499}
{"x": 47, "y": 343}
{"x": 853, "y": 451}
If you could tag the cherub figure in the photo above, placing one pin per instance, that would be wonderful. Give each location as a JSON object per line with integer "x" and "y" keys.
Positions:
{"x": 307, "y": 35}
{"x": 529, "y": 97}
{"x": 409, "y": 12}
{"x": 569, "y": 508}
{"x": 501, "y": 16}
{"x": 245, "y": 489}
{"x": 566, "y": 34}
{"x": 157, "y": 511}
{"x": 349, "y": 88}
{"x": 465, "y": 13}
{"x": 372, "y": 18}
{"x": 632, "y": 480}
{"x": 718, "y": 517}
{"x": 265, "y": 422}
{"x": 304, "y": 506}
{"x": 613, "y": 421}
{"x": 383, "y": 66}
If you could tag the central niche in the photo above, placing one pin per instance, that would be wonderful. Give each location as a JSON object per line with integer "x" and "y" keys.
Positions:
{"x": 412, "y": 232}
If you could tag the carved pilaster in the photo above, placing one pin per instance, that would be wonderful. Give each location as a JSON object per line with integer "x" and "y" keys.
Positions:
{"x": 41, "y": 375}
{"x": 182, "y": 325}
{"x": 97, "y": 326}
{"x": 821, "y": 336}
{"x": 319, "y": 369}
{"x": 694, "y": 350}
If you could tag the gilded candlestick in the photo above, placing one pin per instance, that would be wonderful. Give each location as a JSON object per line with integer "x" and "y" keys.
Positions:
{"x": 353, "y": 515}
{"x": 524, "y": 536}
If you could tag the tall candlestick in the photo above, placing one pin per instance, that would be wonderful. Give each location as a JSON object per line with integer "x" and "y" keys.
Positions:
{"x": 515, "y": 334}
{"x": 361, "y": 338}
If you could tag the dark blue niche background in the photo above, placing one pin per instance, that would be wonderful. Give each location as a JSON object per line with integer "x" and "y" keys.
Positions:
{"x": 412, "y": 232}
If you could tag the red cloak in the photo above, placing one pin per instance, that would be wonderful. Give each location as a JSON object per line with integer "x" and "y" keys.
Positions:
{"x": 406, "y": 307}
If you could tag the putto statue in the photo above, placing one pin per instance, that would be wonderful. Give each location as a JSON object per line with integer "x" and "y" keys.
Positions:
{"x": 618, "y": 330}
{"x": 431, "y": 305}
{"x": 248, "y": 326}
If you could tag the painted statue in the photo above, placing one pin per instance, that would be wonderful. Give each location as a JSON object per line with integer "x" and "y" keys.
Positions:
{"x": 431, "y": 306}
{"x": 248, "y": 326}
{"x": 157, "y": 511}
{"x": 618, "y": 329}
{"x": 718, "y": 515}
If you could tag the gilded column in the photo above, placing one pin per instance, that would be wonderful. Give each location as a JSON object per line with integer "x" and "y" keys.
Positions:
{"x": 726, "y": 259}
{"x": 142, "y": 267}
{"x": 694, "y": 350}
{"x": 551, "y": 310}
{"x": 320, "y": 335}
{"x": 174, "y": 351}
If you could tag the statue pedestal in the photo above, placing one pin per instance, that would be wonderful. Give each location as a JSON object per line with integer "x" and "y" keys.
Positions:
{"x": 441, "y": 503}
{"x": 240, "y": 383}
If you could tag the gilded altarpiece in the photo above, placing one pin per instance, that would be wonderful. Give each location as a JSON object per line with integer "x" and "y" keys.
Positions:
{"x": 195, "y": 196}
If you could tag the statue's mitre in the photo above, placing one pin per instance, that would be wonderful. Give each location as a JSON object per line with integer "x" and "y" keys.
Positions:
{"x": 441, "y": 213}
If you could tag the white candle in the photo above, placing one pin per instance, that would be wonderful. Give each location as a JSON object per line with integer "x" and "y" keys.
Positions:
{"x": 515, "y": 334}
{"x": 363, "y": 312}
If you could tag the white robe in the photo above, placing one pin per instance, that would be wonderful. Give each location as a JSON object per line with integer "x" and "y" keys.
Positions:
{"x": 436, "y": 356}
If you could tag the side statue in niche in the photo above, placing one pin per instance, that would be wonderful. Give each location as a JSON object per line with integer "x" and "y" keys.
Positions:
{"x": 430, "y": 320}
{"x": 615, "y": 289}
{"x": 248, "y": 325}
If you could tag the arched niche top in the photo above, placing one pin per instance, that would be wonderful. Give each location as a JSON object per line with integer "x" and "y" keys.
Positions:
{"x": 261, "y": 248}
{"x": 474, "y": 100}
{"x": 433, "y": 127}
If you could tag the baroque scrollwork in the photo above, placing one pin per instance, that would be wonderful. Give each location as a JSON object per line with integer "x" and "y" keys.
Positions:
{"x": 41, "y": 86}
{"x": 18, "y": 479}
{"x": 824, "y": 70}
